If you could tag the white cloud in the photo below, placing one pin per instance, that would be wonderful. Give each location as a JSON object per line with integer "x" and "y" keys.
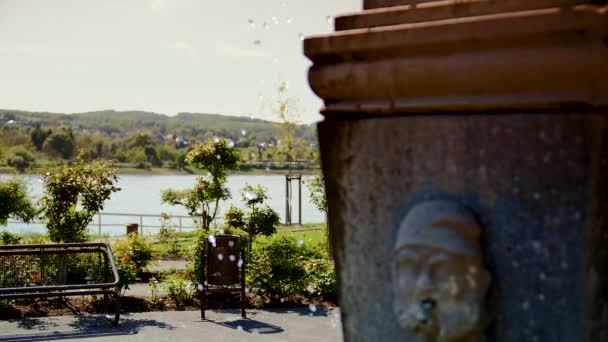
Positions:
{"x": 184, "y": 48}
{"x": 230, "y": 50}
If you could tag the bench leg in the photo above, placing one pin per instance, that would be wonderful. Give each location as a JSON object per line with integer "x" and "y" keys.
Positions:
{"x": 116, "y": 308}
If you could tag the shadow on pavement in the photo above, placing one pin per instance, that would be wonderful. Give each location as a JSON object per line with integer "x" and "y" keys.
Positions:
{"x": 84, "y": 327}
{"x": 251, "y": 326}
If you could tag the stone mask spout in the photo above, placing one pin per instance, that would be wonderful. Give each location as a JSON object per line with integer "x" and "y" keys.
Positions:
{"x": 440, "y": 282}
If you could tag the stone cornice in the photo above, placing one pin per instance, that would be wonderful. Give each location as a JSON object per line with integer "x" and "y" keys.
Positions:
{"x": 511, "y": 56}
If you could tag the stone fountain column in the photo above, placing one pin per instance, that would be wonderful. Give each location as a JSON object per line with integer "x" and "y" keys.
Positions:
{"x": 497, "y": 107}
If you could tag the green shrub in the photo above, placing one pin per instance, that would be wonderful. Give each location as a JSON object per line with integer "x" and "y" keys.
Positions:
{"x": 127, "y": 273}
{"x": 8, "y": 238}
{"x": 284, "y": 266}
{"x": 179, "y": 291}
{"x": 193, "y": 270}
{"x": 20, "y": 158}
{"x": 134, "y": 250}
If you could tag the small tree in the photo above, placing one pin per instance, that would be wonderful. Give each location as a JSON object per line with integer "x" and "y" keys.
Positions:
{"x": 285, "y": 109}
{"x": 202, "y": 200}
{"x": 259, "y": 220}
{"x": 61, "y": 144}
{"x": 39, "y": 136}
{"x": 15, "y": 202}
{"x": 73, "y": 195}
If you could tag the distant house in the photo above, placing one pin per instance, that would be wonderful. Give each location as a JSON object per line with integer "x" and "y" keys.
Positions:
{"x": 181, "y": 142}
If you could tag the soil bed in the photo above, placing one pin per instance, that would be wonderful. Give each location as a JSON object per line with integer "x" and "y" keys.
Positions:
{"x": 22, "y": 309}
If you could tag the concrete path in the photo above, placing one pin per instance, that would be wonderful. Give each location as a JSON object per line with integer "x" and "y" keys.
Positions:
{"x": 165, "y": 265}
{"x": 262, "y": 325}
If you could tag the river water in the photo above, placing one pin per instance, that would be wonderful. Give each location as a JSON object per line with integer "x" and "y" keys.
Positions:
{"x": 140, "y": 194}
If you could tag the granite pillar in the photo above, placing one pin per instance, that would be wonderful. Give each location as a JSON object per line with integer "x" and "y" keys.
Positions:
{"x": 498, "y": 106}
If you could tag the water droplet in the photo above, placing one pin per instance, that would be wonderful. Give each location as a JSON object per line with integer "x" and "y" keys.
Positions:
{"x": 541, "y": 297}
{"x": 230, "y": 143}
{"x": 240, "y": 263}
{"x": 251, "y": 22}
{"x": 257, "y": 42}
{"x": 536, "y": 196}
{"x": 299, "y": 242}
{"x": 312, "y": 307}
{"x": 255, "y": 331}
{"x": 216, "y": 139}
{"x": 301, "y": 36}
{"x": 218, "y": 157}
{"x": 239, "y": 327}
{"x": 265, "y": 280}
{"x": 243, "y": 132}
{"x": 211, "y": 239}
{"x": 231, "y": 243}
{"x": 289, "y": 20}
{"x": 282, "y": 300}
{"x": 200, "y": 287}
{"x": 329, "y": 19}
{"x": 220, "y": 257}
{"x": 266, "y": 26}
{"x": 525, "y": 305}
{"x": 275, "y": 20}
{"x": 310, "y": 288}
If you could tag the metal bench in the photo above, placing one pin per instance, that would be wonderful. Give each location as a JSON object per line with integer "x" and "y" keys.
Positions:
{"x": 59, "y": 270}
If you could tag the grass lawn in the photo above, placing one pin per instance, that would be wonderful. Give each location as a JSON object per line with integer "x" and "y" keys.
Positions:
{"x": 309, "y": 236}
{"x": 164, "y": 249}
{"x": 312, "y": 236}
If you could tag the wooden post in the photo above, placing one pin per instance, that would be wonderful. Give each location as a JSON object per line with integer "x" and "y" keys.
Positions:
{"x": 300, "y": 200}
{"x": 287, "y": 220}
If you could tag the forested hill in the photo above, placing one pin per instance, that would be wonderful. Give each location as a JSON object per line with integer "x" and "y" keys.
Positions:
{"x": 191, "y": 126}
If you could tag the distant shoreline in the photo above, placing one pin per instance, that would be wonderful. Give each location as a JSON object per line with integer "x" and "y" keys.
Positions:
{"x": 159, "y": 171}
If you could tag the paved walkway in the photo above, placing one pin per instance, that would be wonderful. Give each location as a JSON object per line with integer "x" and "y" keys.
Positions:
{"x": 262, "y": 325}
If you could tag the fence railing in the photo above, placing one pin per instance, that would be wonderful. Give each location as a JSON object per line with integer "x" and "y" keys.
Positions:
{"x": 108, "y": 223}
{"x": 178, "y": 222}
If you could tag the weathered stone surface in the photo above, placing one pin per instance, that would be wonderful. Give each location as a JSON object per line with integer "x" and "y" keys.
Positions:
{"x": 537, "y": 182}
{"x": 499, "y": 106}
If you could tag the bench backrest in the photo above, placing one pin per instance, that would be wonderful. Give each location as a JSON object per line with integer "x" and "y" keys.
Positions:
{"x": 40, "y": 267}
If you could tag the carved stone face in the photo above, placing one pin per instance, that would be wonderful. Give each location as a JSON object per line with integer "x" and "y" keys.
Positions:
{"x": 440, "y": 283}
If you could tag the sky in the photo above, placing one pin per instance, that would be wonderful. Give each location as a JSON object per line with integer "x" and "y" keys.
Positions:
{"x": 164, "y": 56}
